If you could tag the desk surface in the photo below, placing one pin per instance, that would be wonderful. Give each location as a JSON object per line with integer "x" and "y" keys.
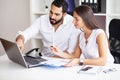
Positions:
{"x": 10, "y": 70}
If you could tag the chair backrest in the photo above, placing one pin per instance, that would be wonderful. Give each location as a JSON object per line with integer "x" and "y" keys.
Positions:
{"x": 114, "y": 37}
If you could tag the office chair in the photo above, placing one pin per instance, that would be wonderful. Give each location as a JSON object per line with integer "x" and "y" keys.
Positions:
{"x": 114, "y": 38}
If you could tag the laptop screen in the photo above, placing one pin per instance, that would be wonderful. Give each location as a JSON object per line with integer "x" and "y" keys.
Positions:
{"x": 13, "y": 52}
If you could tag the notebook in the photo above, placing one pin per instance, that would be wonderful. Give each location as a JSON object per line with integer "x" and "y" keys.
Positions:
{"x": 15, "y": 55}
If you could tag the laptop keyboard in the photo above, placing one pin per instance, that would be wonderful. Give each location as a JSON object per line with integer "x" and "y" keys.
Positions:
{"x": 32, "y": 60}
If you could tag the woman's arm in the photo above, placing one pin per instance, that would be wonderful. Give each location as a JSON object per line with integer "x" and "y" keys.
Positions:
{"x": 61, "y": 54}
{"x": 103, "y": 50}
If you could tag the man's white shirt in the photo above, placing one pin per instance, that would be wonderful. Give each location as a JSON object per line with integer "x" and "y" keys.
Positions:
{"x": 65, "y": 37}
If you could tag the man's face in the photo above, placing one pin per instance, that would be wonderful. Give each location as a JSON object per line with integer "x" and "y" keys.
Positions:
{"x": 56, "y": 15}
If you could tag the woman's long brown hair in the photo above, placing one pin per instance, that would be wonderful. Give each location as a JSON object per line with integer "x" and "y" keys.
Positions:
{"x": 86, "y": 13}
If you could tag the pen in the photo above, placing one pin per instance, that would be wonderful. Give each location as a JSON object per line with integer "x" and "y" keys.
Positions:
{"x": 109, "y": 70}
{"x": 80, "y": 69}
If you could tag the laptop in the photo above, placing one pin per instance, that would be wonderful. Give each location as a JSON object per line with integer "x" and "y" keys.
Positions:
{"x": 15, "y": 55}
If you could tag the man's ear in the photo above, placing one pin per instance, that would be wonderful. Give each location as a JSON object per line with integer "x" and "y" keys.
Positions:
{"x": 64, "y": 14}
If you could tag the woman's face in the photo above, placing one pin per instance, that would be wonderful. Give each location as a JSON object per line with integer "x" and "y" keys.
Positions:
{"x": 78, "y": 22}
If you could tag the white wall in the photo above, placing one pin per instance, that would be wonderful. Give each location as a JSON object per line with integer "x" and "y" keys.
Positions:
{"x": 14, "y": 16}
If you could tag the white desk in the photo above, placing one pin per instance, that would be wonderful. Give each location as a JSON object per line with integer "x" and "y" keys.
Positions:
{"x": 13, "y": 71}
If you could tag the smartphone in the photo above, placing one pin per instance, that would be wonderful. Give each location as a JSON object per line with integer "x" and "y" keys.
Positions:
{"x": 86, "y": 68}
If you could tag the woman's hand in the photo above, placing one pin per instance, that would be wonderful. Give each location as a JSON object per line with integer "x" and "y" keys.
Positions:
{"x": 55, "y": 50}
{"x": 60, "y": 53}
{"x": 73, "y": 62}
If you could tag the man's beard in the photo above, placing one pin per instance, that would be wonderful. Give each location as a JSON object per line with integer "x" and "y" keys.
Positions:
{"x": 54, "y": 22}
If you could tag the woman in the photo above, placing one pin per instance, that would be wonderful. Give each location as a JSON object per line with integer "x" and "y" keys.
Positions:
{"x": 93, "y": 42}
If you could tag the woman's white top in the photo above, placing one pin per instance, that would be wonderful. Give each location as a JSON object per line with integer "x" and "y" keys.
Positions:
{"x": 90, "y": 50}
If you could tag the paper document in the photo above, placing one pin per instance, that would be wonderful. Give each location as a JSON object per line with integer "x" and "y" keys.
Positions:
{"x": 55, "y": 61}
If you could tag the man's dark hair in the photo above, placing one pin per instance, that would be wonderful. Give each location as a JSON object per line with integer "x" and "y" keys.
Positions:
{"x": 61, "y": 3}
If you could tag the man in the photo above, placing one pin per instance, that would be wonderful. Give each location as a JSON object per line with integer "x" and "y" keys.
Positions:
{"x": 55, "y": 29}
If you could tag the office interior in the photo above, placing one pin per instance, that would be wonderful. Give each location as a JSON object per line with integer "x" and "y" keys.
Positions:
{"x": 15, "y": 15}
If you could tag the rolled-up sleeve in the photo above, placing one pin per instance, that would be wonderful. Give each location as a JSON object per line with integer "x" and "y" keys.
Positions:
{"x": 30, "y": 31}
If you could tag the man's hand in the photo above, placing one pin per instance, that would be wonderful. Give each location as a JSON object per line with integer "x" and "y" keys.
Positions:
{"x": 20, "y": 42}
